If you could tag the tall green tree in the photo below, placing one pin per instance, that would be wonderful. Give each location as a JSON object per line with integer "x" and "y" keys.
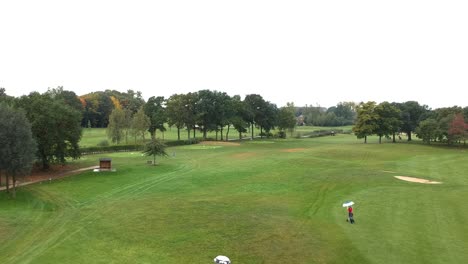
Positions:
{"x": 155, "y": 110}
{"x": 190, "y": 113}
{"x": 67, "y": 97}
{"x": 388, "y": 120}
{"x": 427, "y": 130}
{"x": 175, "y": 112}
{"x": 17, "y": 146}
{"x": 127, "y": 123}
{"x": 222, "y": 111}
{"x": 140, "y": 124}
{"x": 411, "y": 114}
{"x": 366, "y": 121}
{"x": 268, "y": 118}
{"x": 55, "y": 127}
{"x": 254, "y": 103}
{"x": 115, "y": 129}
{"x": 4, "y": 98}
{"x": 239, "y": 118}
{"x": 286, "y": 119}
{"x": 207, "y": 108}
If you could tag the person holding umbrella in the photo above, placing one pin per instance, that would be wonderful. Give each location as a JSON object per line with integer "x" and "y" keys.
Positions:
{"x": 350, "y": 211}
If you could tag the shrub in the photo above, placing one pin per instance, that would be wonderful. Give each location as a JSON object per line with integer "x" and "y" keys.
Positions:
{"x": 264, "y": 134}
{"x": 282, "y": 134}
{"x": 103, "y": 143}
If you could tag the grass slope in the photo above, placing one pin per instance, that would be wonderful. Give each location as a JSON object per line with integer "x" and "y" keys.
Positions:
{"x": 256, "y": 203}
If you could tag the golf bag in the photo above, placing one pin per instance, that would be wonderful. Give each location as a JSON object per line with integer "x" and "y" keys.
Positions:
{"x": 351, "y": 218}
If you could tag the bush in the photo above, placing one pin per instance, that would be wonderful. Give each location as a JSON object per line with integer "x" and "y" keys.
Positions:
{"x": 103, "y": 143}
{"x": 264, "y": 134}
{"x": 282, "y": 134}
{"x": 182, "y": 142}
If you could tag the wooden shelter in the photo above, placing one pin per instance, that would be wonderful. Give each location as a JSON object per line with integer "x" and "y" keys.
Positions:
{"x": 105, "y": 164}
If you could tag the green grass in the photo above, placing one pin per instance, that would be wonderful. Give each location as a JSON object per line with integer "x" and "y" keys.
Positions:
{"x": 256, "y": 203}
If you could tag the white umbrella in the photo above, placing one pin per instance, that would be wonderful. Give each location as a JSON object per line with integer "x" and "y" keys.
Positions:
{"x": 222, "y": 260}
{"x": 349, "y": 203}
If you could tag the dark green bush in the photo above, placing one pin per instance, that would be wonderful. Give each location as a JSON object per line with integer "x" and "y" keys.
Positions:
{"x": 282, "y": 134}
{"x": 103, "y": 143}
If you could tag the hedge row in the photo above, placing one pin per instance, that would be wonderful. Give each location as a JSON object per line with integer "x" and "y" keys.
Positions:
{"x": 131, "y": 147}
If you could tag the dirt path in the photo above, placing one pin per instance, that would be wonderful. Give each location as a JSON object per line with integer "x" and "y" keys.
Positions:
{"x": 48, "y": 177}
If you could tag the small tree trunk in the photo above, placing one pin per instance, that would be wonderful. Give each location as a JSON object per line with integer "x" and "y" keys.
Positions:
{"x": 261, "y": 132}
{"x": 216, "y": 134}
{"x": 409, "y": 135}
{"x": 13, "y": 193}
{"x": 204, "y": 132}
{"x": 222, "y": 138}
{"x": 194, "y": 128}
{"x": 227, "y": 133}
{"x": 252, "y": 132}
{"x": 7, "y": 183}
{"x": 365, "y": 139}
{"x": 394, "y": 141}
{"x": 45, "y": 164}
{"x": 178, "y": 133}
{"x": 380, "y": 139}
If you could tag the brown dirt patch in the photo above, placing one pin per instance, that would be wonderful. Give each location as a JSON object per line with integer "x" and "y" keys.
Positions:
{"x": 418, "y": 180}
{"x": 55, "y": 172}
{"x": 293, "y": 150}
{"x": 244, "y": 155}
{"x": 219, "y": 143}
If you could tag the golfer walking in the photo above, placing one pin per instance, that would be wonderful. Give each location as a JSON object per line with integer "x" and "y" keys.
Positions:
{"x": 350, "y": 214}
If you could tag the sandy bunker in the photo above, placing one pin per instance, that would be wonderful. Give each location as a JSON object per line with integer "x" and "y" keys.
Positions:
{"x": 418, "y": 180}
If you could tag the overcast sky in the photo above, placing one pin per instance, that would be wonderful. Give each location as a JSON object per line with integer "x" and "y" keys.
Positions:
{"x": 306, "y": 52}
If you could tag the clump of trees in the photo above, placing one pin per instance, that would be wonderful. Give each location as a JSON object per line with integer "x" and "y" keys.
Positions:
{"x": 204, "y": 111}
{"x": 55, "y": 126}
{"x": 445, "y": 125}
{"x": 54, "y": 123}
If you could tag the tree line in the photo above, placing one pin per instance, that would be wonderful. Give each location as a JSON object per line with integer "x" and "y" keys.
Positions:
{"x": 446, "y": 125}
{"x": 203, "y": 111}
{"x": 47, "y": 128}
{"x": 49, "y": 125}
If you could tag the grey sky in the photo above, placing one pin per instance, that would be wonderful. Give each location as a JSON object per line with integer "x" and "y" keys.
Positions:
{"x": 307, "y": 52}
